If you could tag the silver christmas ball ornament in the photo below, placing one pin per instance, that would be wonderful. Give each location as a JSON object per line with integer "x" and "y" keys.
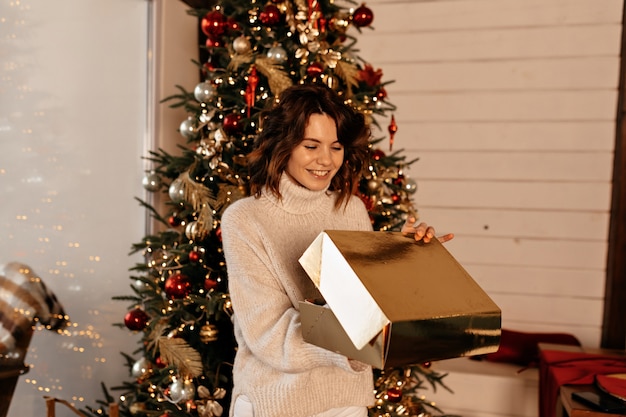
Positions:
{"x": 192, "y": 230}
{"x": 278, "y": 54}
{"x": 410, "y": 186}
{"x": 187, "y": 128}
{"x": 177, "y": 191}
{"x": 241, "y": 45}
{"x": 151, "y": 182}
{"x": 182, "y": 391}
{"x": 204, "y": 91}
{"x": 141, "y": 368}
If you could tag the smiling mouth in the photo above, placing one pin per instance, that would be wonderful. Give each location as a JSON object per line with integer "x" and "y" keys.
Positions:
{"x": 319, "y": 173}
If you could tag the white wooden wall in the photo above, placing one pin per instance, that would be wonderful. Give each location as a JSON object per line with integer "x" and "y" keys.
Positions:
{"x": 510, "y": 106}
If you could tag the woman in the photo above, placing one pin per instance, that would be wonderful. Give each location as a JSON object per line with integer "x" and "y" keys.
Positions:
{"x": 305, "y": 166}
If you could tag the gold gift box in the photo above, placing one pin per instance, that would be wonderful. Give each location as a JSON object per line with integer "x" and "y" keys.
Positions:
{"x": 391, "y": 301}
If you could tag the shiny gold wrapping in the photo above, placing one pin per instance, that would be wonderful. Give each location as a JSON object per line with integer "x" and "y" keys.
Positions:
{"x": 392, "y": 301}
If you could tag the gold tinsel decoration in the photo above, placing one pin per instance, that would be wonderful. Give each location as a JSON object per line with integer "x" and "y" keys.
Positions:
{"x": 278, "y": 79}
{"x": 348, "y": 72}
{"x": 238, "y": 60}
{"x": 201, "y": 199}
{"x": 177, "y": 352}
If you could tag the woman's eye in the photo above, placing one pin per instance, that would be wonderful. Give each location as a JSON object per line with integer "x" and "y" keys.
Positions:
{"x": 310, "y": 147}
{"x": 338, "y": 148}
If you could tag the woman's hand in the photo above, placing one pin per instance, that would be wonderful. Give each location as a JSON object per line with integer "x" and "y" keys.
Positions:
{"x": 422, "y": 231}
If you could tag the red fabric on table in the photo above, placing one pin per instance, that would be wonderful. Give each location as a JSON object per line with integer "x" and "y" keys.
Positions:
{"x": 613, "y": 384}
{"x": 558, "y": 368}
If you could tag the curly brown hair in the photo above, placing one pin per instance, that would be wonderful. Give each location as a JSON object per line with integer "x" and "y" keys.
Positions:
{"x": 282, "y": 129}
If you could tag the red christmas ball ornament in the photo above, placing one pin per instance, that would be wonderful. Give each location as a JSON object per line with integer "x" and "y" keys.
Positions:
{"x": 377, "y": 155}
{"x": 426, "y": 365}
{"x": 173, "y": 221}
{"x": 159, "y": 362}
{"x": 212, "y": 24}
{"x": 394, "y": 395}
{"x": 315, "y": 69}
{"x": 136, "y": 319}
{"x": 177, "y": 286}
{"x": 231, "y": 124}
{"x": 270, "y": 15}
{"x": 210, "y": 65}
{"x": 395, "y": 198}
{"x": 213, "y": 43}
{"x": 194, "y": 256}
{"x": 363, "y": 16}
{"x": 233, "y": 25}
{"x": 210, "y": 284}
{"x": 218, "y": 233}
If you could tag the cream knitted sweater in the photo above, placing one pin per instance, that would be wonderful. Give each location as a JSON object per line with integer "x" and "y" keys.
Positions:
{"x": 282, "y": 375}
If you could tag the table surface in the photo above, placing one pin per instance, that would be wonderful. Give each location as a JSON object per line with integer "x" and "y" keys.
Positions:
{"x": 575, "y": 409}
{"x": 571, "y": 407}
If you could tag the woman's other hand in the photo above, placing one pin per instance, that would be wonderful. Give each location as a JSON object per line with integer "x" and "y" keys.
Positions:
{"x": 422, "y": 231}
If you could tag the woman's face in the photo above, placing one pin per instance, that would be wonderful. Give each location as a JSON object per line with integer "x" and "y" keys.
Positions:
{"x": 315, "y": 161}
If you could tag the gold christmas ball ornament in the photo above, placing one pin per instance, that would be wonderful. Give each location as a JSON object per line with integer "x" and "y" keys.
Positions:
{"x": 209, "y": 333}
{"x": 373, "y": 185}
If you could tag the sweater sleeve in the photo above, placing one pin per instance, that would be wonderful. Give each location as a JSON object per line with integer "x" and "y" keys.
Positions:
{"x": 267, "y": 320}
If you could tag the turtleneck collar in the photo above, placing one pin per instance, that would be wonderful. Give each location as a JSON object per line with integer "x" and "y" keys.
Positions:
{"x": 296, "y": 199}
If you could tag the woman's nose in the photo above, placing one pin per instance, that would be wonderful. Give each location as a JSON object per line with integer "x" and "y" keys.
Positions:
{"x": 323, "y": 157}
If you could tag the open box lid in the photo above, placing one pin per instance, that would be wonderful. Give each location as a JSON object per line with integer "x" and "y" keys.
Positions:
{"x": 371, "y": 279}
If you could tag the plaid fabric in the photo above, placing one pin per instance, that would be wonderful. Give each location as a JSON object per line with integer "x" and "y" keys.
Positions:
{"x": 25, "y": 301}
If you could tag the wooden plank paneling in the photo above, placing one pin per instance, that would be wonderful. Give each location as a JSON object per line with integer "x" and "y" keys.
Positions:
{"x": 450, "y": 15}
{"x": 572, "y": 136}
{"x": 524, "y": 252}
{"x": 560, "y": 310}
{"x": 540, "y": 224}
{"x": 510, "y": 106}
{"x": 520, "y": 165}
{"x": 506, "y": 106}
{"x": 512, "y": 195}
{"x": 491, "y": 44}
{"x": 542, "y": 281}
{"x": 577, "y": 73}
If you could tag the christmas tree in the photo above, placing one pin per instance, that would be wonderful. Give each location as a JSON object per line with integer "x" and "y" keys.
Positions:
{"x": 180, "y": 305}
